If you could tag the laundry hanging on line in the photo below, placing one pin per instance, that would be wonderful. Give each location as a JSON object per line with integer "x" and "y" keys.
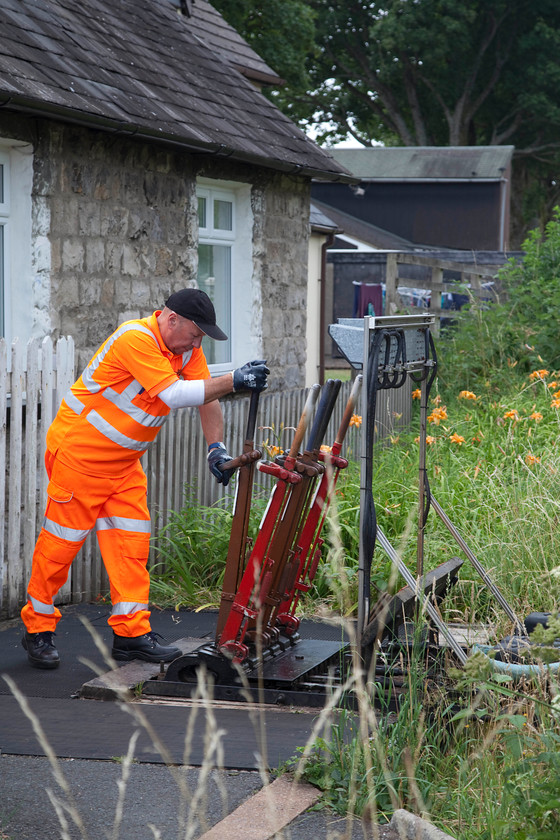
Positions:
{"x": 368, "y": 299}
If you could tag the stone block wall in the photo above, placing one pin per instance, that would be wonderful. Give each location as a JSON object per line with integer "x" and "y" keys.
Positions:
{"x": 115, "y": 229}
{"x": 285, "y": 267}
{"x": 122, "y": 229}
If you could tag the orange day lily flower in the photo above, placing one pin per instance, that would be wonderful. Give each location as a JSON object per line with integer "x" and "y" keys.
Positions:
{"x": 437, "y": 415}
{"x": 416, "y": 394}
{"x": 531, "y": 459}
{"x": 513, "y": 414}
{"x": 356, "y": 420}
{"x": 555, "y": 403}
{"x": 467, "y": 395}
{"x": 455, "y": 438}
{"x": 536, "y": 416}
{"x": 538, "y": 374}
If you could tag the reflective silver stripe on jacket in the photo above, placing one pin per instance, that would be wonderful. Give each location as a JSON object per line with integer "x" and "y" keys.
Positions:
{"x": 39, "y": 607}
{"x": 87, "y": 376}
{"x": 122, "y": 523}
{"x": 127, "y": 607}
{"x": 98, "y": 422}
{"x": 73, "y": 402}
{"x": 124, "y": 402}
{"x": 70, "y": 534}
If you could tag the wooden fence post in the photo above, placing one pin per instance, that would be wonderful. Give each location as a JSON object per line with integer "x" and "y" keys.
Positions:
{"x": 392, "y": 302}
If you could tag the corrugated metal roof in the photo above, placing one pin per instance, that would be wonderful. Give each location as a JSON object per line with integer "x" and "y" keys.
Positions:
{"x": 424, "y": 163}
{"x": 139, "y": 67}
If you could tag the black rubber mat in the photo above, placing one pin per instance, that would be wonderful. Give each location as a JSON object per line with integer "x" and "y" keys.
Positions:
{"x": 92, "y": 729}
{"x": 100, "y": 730}
{"x": 75, "y": 643}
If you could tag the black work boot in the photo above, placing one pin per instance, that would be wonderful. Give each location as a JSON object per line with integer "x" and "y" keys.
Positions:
{"x": 41, "y": 652}
{"x": 146, "y": 647}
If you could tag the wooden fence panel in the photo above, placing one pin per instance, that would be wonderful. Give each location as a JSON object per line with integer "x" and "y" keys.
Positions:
{"x": 473, "y": 275}
{"x": 29, "y": 397}
{"x": 32, "y": 383}
{"x": 15, "y": 578}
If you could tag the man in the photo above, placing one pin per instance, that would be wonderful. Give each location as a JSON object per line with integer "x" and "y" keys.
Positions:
{"x": 104, "y": 425}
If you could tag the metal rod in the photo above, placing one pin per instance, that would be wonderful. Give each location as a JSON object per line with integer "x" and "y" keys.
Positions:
{"x": 478, "y": 566}
{"x": 425, "y": 601}
{"x": 422, "y": 478}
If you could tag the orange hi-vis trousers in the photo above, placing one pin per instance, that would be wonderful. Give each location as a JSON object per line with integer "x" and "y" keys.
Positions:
{"x": 117, "y": 508}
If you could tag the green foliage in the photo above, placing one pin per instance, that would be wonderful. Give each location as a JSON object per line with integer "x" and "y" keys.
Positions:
{"x": 435, "y": 73}
{"x": 191, "y": 551}
{"x": 497, "y": 341}
{"x": 376, "y": 773}
{"x": 534, "y": 291}
{"x": 544, "y": 638}
{"x": 534, "y": 790}
{"x": 281, "y": 32}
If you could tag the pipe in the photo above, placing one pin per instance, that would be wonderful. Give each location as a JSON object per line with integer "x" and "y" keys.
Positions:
{"x": 323, "y": 305}
{"x": 514, "y": 669}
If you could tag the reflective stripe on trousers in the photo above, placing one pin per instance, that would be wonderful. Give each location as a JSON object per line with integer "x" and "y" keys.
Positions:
{"x": 117, "y": 508}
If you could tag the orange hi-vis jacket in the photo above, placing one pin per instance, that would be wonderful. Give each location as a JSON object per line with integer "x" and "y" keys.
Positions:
{"x": 112, "y": 413}
{"x": 105, "y": 423}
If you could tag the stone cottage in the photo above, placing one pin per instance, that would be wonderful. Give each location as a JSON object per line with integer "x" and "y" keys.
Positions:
{"x": 139, "y": 155}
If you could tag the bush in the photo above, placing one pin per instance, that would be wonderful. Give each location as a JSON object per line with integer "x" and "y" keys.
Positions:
{"x": 484, "y": 348}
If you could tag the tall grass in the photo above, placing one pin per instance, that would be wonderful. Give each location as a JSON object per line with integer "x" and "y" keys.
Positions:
{"x": 466, "y": 749}
{"x": 474, "y": 753}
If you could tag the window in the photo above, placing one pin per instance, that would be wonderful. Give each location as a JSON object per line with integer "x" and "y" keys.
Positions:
{"x": 21, "y": 271}
{"x": 216, "y": 238}
{"x": 4, "y": 221}
{"x": 225, "y": 270}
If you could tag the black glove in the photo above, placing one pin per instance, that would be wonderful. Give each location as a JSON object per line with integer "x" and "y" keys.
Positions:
{"x": 218, "y": 454}
{"x": 251, "y": 377}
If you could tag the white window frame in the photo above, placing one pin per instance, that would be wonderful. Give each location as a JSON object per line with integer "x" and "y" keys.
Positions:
{"x": 5, "y": 245}
{"x": 245, "y": 331}
{"x": 18, "y": 315}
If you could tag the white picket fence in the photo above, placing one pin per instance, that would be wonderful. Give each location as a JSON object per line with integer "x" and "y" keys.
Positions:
{"x": 31, "y": 388}
{"x": 33, "y": 379}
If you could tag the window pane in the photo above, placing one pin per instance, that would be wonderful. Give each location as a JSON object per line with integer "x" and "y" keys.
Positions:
{"x": 223, "y": 215}
{"x": 2, "y": 323}
{"x": 214, "y": 278}
{"x": 201, "y": 212}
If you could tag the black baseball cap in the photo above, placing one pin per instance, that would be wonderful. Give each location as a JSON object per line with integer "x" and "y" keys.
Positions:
{"x": 195, "y": 305}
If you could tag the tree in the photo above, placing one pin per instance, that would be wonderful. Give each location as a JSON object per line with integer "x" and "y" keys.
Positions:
{"x": 428, "y": 72}
{"x": 281, "y": 32}
{"x": 443, "y": 72}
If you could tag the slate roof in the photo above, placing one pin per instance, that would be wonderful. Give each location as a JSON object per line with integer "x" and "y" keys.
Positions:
{"x": 209, "y": 25}
{"x": 138, "y": 67}
{"x": 426, "y": 163}
{"x": 320, "y": 221}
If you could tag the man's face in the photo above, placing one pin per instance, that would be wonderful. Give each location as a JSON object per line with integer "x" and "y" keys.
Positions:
{"x": 183, "y": 334}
